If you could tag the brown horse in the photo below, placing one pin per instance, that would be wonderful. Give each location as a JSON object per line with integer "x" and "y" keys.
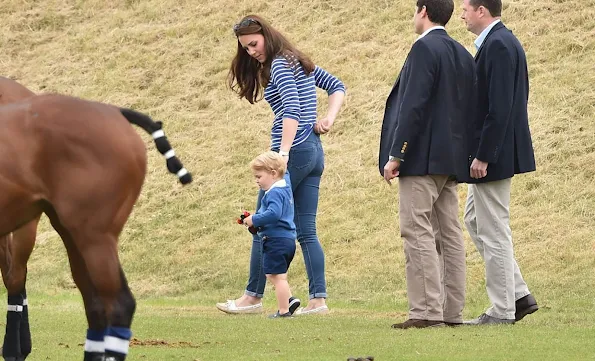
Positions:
{"x": 81, "y": 164}
{"x": 11, "y": 91}
{"x": 18, "y": 245}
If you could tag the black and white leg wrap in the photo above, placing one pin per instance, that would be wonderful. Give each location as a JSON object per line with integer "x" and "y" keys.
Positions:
{"x": 15, "y": 308}
{"x": 18, "y": 307}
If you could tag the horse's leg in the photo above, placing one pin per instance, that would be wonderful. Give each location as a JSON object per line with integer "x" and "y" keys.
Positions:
{"x": 11, "y": 347}
{"x": 94, "y": 310}
{"x": 19, "y": 210}
{"x": 101, "y": 258}
{"x": 97, "y": 243}
{"x": 14, "y": 272}
{"x": 26, "y": 235}
{"x": 119, "y": 333}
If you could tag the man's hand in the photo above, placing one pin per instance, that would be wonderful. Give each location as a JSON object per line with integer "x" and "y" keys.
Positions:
{"x": 248, "y": 221}
{"x": 391, "y": 170}
{"x": 479, "y": 169}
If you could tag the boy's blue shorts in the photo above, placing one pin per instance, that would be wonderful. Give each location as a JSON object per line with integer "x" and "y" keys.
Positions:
{"x": 277, "y": 255}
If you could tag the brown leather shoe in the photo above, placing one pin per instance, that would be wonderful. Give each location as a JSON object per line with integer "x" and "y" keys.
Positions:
{"x": 453, "y": 324}
{"x": 525, "y": 306}
{"x": 414, "y": 323}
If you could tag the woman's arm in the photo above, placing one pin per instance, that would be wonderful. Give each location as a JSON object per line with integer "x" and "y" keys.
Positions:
{"x": 336, "y": 91}
{"x": 290, "y": 127}
{"x": 335, "y": 101}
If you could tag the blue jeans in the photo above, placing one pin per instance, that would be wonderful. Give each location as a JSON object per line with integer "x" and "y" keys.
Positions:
{"x": 306, "y": 164}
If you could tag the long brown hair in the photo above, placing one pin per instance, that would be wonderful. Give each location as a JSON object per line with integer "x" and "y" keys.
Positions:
{"x": 247, "y": 76}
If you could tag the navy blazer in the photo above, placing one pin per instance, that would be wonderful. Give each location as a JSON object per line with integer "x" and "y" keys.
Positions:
{"x": 429, "y": 112}
{"x": 501, "y": 134}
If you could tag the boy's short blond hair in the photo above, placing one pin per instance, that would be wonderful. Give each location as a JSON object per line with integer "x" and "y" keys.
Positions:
{"x": 269, "y": 161}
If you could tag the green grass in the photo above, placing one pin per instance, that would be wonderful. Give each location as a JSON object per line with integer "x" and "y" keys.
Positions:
{"x": 191, "y": 329}
{"x": 170, "y": 59}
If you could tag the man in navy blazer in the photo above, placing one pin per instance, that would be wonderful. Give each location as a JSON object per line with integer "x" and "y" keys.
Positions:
{"x": 424, "y": 142}
{"x": 500, "y": 147}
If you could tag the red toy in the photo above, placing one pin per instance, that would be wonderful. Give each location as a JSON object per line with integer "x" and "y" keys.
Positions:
{"x": 246, "y": 214}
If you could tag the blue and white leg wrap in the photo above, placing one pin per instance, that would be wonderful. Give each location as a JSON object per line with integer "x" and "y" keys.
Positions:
{"x": 94, "y": 342}
{"x": 117, "y": 340}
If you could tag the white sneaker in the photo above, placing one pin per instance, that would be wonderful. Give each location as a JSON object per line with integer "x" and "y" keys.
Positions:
{"x": 231, "y": 307}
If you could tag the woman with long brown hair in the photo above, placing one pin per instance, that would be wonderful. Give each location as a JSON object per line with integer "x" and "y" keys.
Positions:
{"x": 268, "y": 66}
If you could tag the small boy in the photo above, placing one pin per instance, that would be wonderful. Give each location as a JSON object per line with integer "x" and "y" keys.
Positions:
{"x": 274, "y": 222}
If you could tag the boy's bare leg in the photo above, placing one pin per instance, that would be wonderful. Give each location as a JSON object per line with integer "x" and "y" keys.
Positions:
{"x": 282, "y": 291}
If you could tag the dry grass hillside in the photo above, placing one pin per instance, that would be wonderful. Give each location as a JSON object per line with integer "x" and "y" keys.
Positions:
{"x": 170, "y": 59}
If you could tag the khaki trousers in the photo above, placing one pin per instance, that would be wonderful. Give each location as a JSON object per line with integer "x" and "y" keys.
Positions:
{"x": 487, "y": 218}
{"x": 423, "y": 198}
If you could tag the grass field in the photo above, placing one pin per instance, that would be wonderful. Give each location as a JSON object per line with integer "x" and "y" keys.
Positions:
{"x": 189, "y": 330}
{"x": 181, "y": 249}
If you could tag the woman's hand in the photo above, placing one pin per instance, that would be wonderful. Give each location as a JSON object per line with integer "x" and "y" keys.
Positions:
{"x": 323, "y": 125}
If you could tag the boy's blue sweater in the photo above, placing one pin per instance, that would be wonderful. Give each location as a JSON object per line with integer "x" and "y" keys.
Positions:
{"x": 274, "y": 219}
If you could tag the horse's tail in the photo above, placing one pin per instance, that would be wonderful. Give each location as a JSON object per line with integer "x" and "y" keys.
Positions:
{"x": 154, "y": 128}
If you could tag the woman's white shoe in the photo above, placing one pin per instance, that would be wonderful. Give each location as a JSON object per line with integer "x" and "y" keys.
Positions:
{"x": 231, "y": 307}
{"x": 322, "y": 310}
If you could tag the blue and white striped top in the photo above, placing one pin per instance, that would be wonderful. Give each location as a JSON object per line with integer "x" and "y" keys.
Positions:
{"x": 292, "y": 94}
